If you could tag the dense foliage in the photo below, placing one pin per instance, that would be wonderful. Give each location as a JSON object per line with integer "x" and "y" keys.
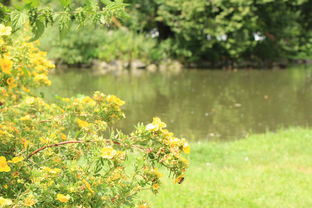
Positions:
{"x": 60, "y": 154}
{"x": 81, "y": 46}
{"x": 40, "y": 14}
{"x": 211, "y": 33}
{"x": 228, "y": 30}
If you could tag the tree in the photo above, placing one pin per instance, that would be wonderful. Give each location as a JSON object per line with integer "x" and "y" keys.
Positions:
{"x": 226, "y": 31}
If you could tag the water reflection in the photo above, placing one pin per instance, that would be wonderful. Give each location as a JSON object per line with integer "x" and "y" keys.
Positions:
{"x": 214, "y": 105}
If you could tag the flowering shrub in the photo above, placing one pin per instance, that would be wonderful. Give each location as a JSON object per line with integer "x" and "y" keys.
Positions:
{"x": 58, "y": 155}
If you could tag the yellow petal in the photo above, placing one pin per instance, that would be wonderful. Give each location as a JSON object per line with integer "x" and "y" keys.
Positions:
{"x": 186, "y": 148}
{"x": 4, "y": 165}
{"x": 16, "y": 159}
{"x": 62, "y": 198}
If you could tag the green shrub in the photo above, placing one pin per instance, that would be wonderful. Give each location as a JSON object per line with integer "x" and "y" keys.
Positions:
{"x": 84, "y": 45}
{"x": 126, "y": 46}
{"x": 60, "y": 154}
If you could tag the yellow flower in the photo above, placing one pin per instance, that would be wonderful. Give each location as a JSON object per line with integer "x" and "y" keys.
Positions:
{"x": 42, "y": 78}
{"x": 151, "y": 127}
{"x": 6, "y": 65}
{"x": 30, "y": 100}
{"x": 114, "y": 99}
{"x": 30, "y": 201}
{"x": 88, "y": 186}
{"x": 5, "y": 30}
{"x": 167, "y": 134}
{"x": 174, "y": 142}
{"x": 51, "y": 170}
{"x": 143, "y": 206}
{"x": 5, "y": 202}
{"x": 4, "y": 165}
{"x": 155, "y": 186}
{"x": 186, "y": 148}
{"x": 108, "y": 152}
{"x": 63, "y": 137}
{"x": 156, "y": 125}
{"x": 11, "y": 82}
{"x": 81, "y": 123}
{"x": 62, "y": 198}
{"x": 16, "y": 160}
{"x": 26, "y": 89}
{"x": 89, "y": 101}
{"x": 157, "y": 173}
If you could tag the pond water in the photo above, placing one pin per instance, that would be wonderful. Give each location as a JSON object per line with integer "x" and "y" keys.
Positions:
{"x": 203, "y": 104}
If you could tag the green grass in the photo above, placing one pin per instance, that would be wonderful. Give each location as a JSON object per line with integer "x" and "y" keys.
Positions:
{"x": 261, "y": 171}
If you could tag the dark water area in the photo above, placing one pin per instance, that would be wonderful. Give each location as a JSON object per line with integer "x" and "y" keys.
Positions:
{"x": 203, "y": 104}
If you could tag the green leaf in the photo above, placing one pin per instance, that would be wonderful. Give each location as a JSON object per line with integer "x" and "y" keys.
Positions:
{"x": 33, "y": 3}
{"x": 64, "y": 24}
{"x": 19, "y": 18}
{"x": 65, "y": 3}
{"x": 106, "y": 2}
{"x": 37, "y": 29}
{"x": 92, "y": 5}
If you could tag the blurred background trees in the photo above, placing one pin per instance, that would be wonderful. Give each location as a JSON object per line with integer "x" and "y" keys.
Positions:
{"x": 227, "y": 30}
{"x": 198, "y": 33}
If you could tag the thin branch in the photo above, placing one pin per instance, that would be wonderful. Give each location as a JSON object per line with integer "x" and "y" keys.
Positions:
{"x": 64, "y": 143}
{"x": 52, "y": 145}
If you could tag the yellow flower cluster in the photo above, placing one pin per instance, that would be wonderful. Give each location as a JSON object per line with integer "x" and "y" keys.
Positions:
{"x": 22, "y": 64}
{"x": 4, "y": 167}
{"x": 156, "y": 125}
{"x": 115, "y": 100}
{"x": 171, "y": 154}
{"x": 42, "y": 79}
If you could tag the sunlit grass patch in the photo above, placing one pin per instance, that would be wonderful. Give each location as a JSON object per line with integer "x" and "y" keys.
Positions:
{"x": 270, "y": 170}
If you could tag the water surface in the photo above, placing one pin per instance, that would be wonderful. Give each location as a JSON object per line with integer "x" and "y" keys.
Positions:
{"x": 203, "y": 104}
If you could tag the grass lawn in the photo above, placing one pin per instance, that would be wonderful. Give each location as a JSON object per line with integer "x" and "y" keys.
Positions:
{"x": 272, "y": 170}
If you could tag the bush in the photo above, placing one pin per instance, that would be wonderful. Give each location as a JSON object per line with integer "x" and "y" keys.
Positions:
{"x": 57, "y": 155}
{"x": 82, "y": 46}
